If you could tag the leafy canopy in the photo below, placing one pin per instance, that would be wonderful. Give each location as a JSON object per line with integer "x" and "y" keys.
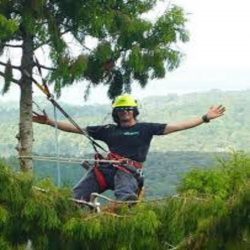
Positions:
{"x": 126, "y": 46}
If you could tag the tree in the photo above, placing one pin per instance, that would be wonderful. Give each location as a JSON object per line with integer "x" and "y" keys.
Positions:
{"x": 129, "y": 47}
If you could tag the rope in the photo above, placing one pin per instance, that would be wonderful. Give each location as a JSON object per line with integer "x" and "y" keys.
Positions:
{"x": 37, "y": 106}
{"x": 57, "y": 150}
{"x": 106, "y": 213}
{"x": 67, "y": 160}
{"x": 73, "y": 122}
{"x": 94, "y": 196}
{"x": 170, "y": 245}
{"x": 90, "y": 204}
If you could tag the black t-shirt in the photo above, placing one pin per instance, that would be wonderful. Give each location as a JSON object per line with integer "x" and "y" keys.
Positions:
{"x": 132, "y": 142}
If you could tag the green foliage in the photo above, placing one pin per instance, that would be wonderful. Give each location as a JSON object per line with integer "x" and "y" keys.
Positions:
{"x": 220, "y": 182}
{"x": 7, "y": 77}
{"x": 8, "y": 27}
{"x": 168, "y": 25}
{"x": 68, "y": 71}
{"x": 203, "y": 219}
{"x": 210, "y": 182}
{"x": 116, "y": 84}
{"x": 224, "y": 192}
{"x": 97, "y": 60}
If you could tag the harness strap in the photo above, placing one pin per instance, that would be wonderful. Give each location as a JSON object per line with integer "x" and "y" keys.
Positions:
{"x": 100, "y": 178}
{"x": 124, "y": 161}
{"x": 99, "y": 174}
{"x": 127, "y": 165}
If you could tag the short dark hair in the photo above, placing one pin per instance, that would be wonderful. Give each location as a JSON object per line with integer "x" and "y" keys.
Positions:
{"x": 116, "y": 117}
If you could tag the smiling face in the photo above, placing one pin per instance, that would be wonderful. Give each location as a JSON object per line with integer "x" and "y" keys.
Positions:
{"x": 125, "y": 115}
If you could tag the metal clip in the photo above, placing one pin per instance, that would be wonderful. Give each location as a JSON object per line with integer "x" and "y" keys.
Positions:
{"x": 86, "y": 165}
{"x": 139, "y": 171}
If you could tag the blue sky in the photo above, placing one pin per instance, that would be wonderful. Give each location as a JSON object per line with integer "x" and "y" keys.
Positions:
{"x": 217, "y": 56}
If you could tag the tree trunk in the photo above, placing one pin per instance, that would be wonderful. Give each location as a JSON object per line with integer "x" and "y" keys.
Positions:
{"x": 25, "y": 125}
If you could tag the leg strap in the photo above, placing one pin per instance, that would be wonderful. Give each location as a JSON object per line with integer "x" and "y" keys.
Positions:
{"x": 100, "y": 178}
{"x": 99, "y": 174}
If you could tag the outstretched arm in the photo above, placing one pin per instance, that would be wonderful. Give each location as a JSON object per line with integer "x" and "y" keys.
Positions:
{"x": 64, "y": 126}
{"x": 213, "y": 113}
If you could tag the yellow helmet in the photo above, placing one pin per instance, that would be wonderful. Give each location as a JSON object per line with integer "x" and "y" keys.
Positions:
{"x": 125, "y": 100}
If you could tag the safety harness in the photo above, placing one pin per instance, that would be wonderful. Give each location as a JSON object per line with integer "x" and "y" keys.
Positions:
{"x": 127, "y": 165}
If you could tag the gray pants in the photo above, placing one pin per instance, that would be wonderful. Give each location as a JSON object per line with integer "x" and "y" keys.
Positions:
{"x": 125, "y": 185}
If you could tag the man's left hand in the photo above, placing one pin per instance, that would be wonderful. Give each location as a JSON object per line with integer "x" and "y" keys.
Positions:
{"x": 215, "y": 112}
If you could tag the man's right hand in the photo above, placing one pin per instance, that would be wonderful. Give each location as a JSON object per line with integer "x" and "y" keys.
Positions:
{"x": 42, "y": 119}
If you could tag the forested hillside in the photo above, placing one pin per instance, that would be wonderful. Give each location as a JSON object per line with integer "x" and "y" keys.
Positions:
{"x": 229, "y": 132}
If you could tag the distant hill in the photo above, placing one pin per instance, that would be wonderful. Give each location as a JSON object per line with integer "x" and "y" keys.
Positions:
{"x": 229, "y": 132}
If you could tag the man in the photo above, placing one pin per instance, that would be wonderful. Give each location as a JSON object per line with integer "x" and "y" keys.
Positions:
{"x": 128, "y": 142}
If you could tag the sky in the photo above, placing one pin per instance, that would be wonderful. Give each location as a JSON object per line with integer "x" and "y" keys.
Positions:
{"x": 216, "y": 57}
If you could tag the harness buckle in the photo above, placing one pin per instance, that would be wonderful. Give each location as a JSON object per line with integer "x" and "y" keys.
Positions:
{"x": 139, "y": 172}
{"x": 86, "y": 165}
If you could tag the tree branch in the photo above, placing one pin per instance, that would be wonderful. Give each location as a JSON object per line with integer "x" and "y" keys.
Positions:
{"x": 14, "y": 67}
{"x": 12, "y": 79}
{"x": 12, "y": 45}
{"x": 47, "y": 42}
{"x": 80, "y": 42}
{"x": 44, "y": 67}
